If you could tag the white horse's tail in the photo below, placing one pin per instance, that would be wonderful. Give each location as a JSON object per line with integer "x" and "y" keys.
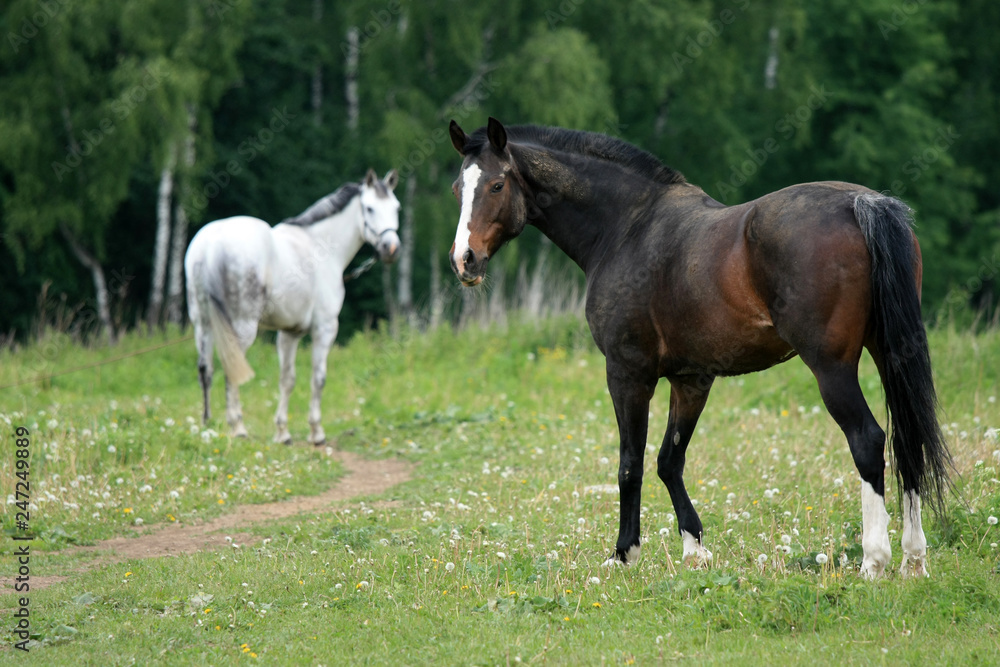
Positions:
{"x": 234, "y": 363}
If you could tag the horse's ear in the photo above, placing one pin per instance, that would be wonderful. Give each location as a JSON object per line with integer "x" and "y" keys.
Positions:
{"x": 391, "y": 179}
{"x": 370, "y": 178}
{"x": 458, "y": 137}
{"x": 496, "y": 134}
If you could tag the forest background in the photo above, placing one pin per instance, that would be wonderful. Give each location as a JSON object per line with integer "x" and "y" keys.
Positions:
{"x": 125, "y": 126}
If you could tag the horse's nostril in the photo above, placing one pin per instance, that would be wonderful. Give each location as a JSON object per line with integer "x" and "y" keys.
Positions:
{"x": 469, "y": 257}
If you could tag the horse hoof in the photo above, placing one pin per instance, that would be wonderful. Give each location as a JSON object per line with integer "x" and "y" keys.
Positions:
{"x": 871, "y": 570}
{"x": 913, "y": 568}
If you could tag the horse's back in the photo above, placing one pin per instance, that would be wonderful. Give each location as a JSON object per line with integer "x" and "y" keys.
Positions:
{"x": 228, "y": 260}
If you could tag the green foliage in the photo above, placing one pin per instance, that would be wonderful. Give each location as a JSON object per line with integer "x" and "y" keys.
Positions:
{"x": 743, "y": 97}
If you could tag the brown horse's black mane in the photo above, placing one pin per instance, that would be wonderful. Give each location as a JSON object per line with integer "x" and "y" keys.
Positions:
{"x": 591, "y": 144}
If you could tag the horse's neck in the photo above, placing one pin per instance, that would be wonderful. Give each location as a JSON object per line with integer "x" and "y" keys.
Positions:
{"x": 338, "y": 238}
{"x": 578, "y": 210}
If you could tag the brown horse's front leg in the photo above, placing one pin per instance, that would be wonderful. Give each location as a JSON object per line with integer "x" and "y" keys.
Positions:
{"x": 631, "y": 394}
{"x": 687, "y": 400}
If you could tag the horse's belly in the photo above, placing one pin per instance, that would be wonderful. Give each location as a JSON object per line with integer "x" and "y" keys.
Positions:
{"x": 724, "y": 356}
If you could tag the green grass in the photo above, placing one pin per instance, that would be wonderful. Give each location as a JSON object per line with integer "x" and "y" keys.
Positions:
{"x": 493, "y": 552}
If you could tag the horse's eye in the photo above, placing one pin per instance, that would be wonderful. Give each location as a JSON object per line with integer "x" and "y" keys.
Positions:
{"x": 497, "y": 187}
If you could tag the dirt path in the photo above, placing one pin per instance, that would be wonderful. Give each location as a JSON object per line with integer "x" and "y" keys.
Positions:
{"x": 363, "y": 477}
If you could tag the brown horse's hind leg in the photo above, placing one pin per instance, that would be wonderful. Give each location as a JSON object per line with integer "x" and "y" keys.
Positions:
{"x": 838, "y": 385}
{"x": 687, "y": 400}
{"x": 914, "y": 541}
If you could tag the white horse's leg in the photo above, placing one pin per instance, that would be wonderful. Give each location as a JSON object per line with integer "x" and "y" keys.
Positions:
{"x": 246, "y": 332}
{"x": 234, "y": 410}
{"x": 914, "y": 542}
{"x": 288, "y": 344}
{"x": 204, "y": 342}
{"x": 321, "y": 348}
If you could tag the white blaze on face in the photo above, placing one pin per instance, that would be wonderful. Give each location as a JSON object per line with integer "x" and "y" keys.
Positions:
{"x": 470, "y": 181}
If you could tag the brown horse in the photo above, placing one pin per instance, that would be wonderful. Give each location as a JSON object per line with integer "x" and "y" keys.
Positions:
{"x": 682, "y": 287}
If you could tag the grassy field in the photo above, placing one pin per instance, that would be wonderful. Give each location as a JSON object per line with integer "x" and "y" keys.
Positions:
{"x": 491, "y": 553}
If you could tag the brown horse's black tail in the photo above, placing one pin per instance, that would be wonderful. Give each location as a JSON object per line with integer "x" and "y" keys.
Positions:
{"x": 919, "y": 451}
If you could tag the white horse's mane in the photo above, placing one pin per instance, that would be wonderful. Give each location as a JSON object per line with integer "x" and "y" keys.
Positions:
{"x": 331, "y": 204}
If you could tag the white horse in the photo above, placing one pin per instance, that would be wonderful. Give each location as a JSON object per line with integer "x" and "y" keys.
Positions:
{"x": 243, "y": 274}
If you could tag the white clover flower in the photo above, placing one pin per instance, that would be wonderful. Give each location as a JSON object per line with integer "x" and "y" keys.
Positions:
{"x": 821, "y": 559}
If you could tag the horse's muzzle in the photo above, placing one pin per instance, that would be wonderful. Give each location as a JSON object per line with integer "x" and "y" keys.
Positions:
{"x": 388, "y": 249}
{"x": 473, "y": 268}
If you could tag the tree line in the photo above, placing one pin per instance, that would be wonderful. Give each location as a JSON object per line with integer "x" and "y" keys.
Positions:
{"x": 126, "y": 126}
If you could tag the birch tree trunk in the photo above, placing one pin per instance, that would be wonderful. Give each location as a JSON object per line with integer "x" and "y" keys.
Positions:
{"x": 100, "y": 284}
{"x": 437, "y": 294}
{"x": 155, "y": 311}
{"x": 175, "y": 290}
{"x": 407, "y": 236}
{"x": 390, "y": 301}
{"x": 317, "y": 76}
{"x": 88, "y": 260}
{"x": 351, "y": 77}
{"x": 771, "y": 66}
